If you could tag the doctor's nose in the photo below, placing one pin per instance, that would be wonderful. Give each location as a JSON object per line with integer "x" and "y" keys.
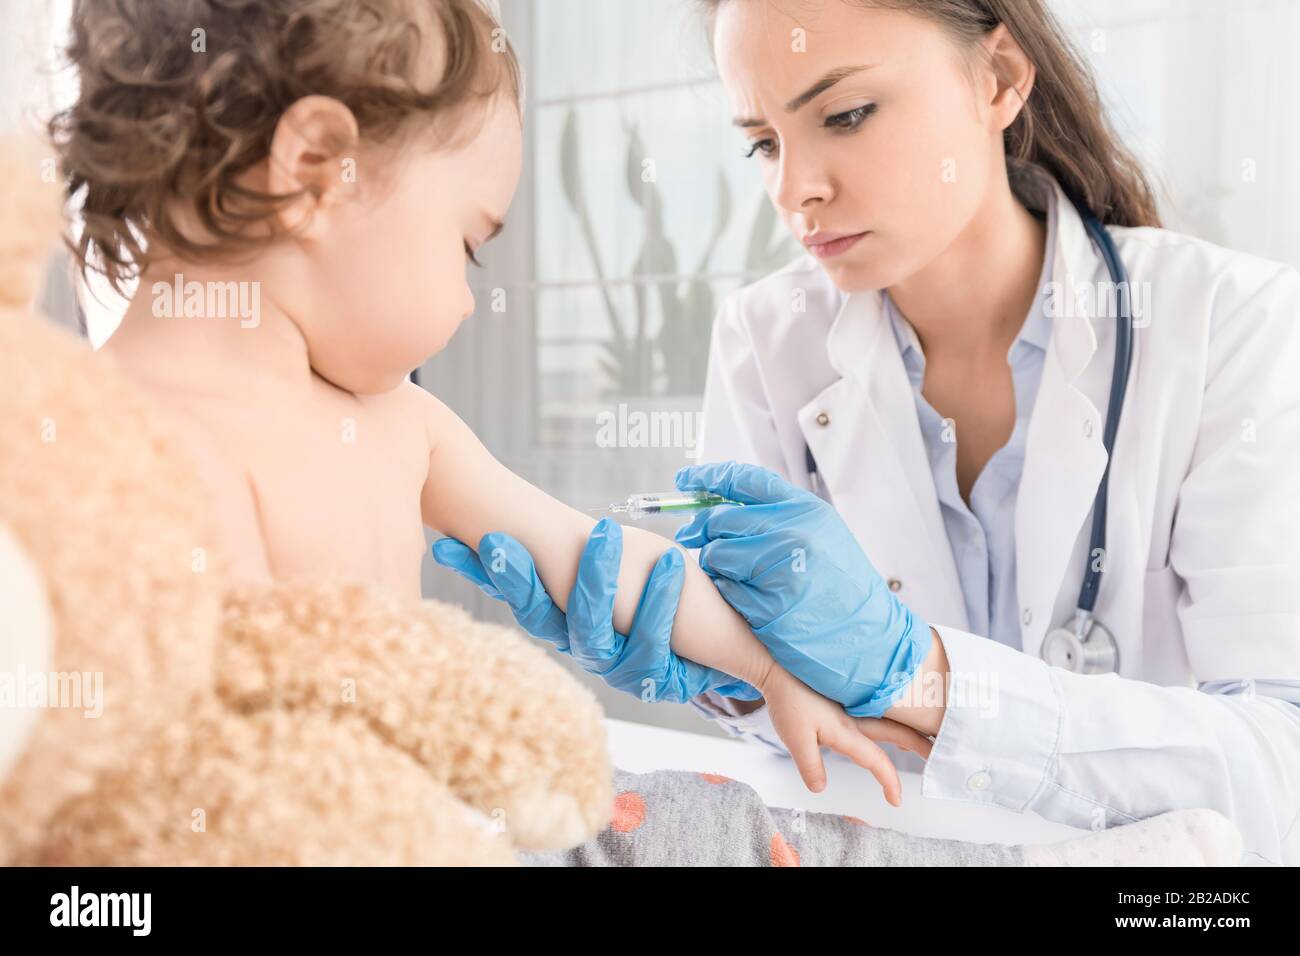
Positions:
{"x": 802, "y": 184}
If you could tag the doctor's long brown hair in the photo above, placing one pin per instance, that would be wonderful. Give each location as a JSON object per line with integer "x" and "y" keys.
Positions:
{"x": 1062, "y": 126}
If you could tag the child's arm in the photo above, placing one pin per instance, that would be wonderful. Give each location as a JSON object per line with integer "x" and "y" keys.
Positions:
{"x": 468, "y": 494}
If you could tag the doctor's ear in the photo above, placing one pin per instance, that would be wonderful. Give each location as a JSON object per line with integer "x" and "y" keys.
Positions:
{"x": 1009, "y": 79}
{"x": 314, "y": 141}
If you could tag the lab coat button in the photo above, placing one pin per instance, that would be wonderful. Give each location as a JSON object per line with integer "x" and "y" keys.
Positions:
{"x": 1087, "y": 428}
{"x": 1026, "y": 617}
{"x": 979, "y": 780}
{"x": 823, "y": 418}
{"x": 895, "y": 584}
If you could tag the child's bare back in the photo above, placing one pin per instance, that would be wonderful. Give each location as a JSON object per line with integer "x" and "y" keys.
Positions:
{"x": 309, "y": 480}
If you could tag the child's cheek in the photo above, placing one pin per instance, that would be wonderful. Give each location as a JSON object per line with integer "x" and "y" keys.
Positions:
{"x": 438, "y": 293}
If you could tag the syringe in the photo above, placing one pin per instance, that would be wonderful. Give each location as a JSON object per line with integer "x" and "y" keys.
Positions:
{"x": 670, "y": 502}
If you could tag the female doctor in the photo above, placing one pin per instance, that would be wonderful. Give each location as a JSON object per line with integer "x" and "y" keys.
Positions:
{"x": 915, "y": 418}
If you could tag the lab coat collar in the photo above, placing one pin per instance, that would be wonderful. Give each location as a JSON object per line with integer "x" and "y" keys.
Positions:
{"x": 863, "y": 433}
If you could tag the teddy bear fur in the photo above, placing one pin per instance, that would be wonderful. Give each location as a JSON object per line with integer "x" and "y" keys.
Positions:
{"x": 301, "y": 722}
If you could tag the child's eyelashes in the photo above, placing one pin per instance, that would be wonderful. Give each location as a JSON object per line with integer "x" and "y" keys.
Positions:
{"x": 494, "y": 230}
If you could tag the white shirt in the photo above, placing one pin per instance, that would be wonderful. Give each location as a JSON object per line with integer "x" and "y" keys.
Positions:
{"x": 982, "y": 534}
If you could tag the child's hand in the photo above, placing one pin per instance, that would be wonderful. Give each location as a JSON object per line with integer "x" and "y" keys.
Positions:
{"x": 807, "y": 721}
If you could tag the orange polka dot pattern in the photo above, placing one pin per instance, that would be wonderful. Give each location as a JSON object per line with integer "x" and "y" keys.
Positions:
{"x": 629, "y": 812}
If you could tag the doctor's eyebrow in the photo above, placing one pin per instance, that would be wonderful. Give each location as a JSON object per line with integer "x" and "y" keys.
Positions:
{"x": 807, "y": 96}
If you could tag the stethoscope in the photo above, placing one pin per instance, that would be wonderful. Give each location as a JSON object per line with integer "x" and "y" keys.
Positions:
{"x": 1084, "y": 645}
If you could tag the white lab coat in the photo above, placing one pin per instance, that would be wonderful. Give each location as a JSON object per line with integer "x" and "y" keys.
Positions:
{"x": 1202, "y": 579}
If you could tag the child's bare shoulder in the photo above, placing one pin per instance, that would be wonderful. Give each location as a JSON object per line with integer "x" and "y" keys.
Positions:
{"x": 441, "y": 424}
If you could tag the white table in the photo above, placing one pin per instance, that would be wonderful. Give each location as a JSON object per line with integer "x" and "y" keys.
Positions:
{"x": 640, "y": 748}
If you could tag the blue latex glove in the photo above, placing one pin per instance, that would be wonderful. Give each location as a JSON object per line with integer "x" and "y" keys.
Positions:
{"x": 791, "y": 567}
{"x": 642, "y": 663}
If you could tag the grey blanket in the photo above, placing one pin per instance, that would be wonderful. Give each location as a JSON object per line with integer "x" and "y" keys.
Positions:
{"x": 683, "y": 818}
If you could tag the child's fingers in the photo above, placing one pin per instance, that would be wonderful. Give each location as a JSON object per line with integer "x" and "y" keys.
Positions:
{"x": 900, "y": 735}
{"x": 807, "y": 757}
{"x": 849, "y": 741}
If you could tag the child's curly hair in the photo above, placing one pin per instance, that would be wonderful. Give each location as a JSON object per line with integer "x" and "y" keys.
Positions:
{"x": 179, "y": 99}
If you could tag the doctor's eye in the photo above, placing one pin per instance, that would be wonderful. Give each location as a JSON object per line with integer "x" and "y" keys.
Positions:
{"x": 850, "y": 120}
{"x": 469, "y": 254}
{"x": 764, "y": 146}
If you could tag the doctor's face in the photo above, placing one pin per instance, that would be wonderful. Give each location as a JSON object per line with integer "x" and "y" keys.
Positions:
{"x": 873, "y": 140}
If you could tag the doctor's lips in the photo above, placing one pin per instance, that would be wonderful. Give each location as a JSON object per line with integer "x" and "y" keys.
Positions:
{"x": 825, "y": 245}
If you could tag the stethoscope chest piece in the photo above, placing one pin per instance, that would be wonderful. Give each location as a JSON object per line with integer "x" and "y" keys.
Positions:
{"x": 1095, "y": 652}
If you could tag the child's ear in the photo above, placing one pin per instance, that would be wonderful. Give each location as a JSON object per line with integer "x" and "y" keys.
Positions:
{"x": 310, "y": 153}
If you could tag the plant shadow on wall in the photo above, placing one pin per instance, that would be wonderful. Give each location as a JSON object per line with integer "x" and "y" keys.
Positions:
{"x": 674, "y": 361}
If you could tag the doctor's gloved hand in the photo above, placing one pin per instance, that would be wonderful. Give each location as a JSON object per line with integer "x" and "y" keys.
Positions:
{"x": 641, "y": 663}
{"x": 792, "y": 568}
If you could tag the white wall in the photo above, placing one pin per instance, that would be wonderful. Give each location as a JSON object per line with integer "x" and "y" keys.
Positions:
{"x": 1208, "y": 92}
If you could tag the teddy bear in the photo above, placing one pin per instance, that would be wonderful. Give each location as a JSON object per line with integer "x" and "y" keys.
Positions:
{"x": 153, "y": 711}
